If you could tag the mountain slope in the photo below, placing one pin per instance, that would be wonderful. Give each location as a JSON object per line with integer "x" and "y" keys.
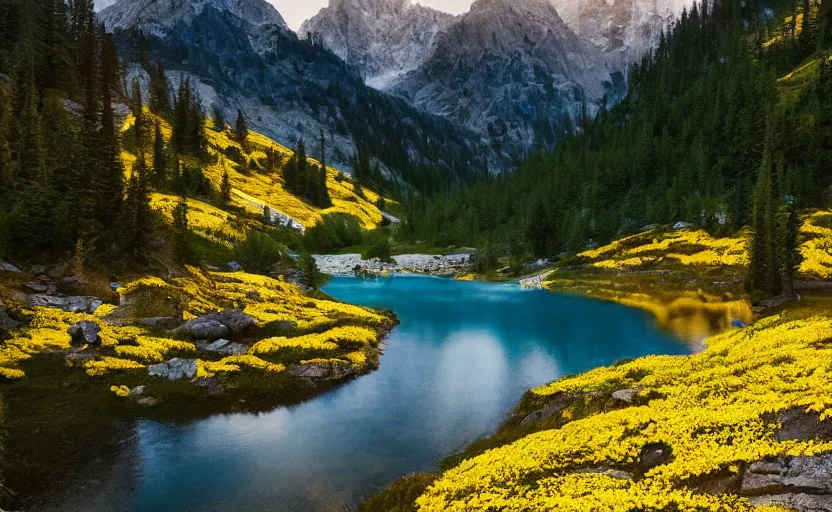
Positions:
{"x": 291, "y": 89}
{"x": 382, "y": 38}
{"x": 624, "y": 29}
{"x": 156, "y": 15}
{"x": 513, "y": 70}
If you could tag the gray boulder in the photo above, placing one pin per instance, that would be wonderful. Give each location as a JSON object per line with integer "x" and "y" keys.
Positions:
{"x": 8, "y": 267}
{"x": 682, "y": 225}
{"x": 626, "y": 396}
{"x": 6, "y": 321}
{"x": 235, "y": 320}
{"x": 68, "y": 304}
{"x": 797, "y": 424}
{"x": 203, "y": 329}
{"x": 329, "y": 370}
{"x": 214, "y": 326}
{"x": 175, "y": 369}
{"x": 234, "y": 266}
{"x": 85, "y": 333}
{"x": 41, "y": 287}
{"x": 160, "y": 322}
{"x": 137, "y": 391}
{"x": 224, "y": 347}
{"x": 801, "y": 483}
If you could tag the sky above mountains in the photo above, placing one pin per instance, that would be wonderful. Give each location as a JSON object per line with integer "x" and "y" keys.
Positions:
{"x": 295, "y": 12}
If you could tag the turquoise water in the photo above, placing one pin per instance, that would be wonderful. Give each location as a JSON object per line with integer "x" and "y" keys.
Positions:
{"x": 461, "y": 359}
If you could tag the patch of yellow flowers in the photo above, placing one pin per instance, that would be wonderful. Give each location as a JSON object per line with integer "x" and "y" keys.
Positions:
{"x": 686, "y": 247}
{"x": 714, "y": 410}
{"x": 329, "y": 341}
{"x": 817, "y": 250}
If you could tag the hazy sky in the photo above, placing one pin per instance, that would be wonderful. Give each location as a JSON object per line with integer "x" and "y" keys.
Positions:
{"x": 296, "y": 12}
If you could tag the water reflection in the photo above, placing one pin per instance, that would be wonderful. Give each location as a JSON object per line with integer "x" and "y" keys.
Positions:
{"x": 695, "y": 320}
{"x": 460, "y": 360}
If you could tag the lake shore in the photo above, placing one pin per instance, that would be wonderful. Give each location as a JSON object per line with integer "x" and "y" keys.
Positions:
{"x": 429, "y": 264}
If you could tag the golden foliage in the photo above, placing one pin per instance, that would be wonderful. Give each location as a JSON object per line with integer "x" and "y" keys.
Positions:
{"x": 817, "y": 249}
{"x": 713, "y": 409}
{"x": 686, "y": 247}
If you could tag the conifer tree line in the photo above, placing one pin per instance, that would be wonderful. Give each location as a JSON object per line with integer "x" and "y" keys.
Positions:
{"x": 704, "y": 135}
{"x": 63, "y": 189}
{"x": 61, "y": 178}
{"x": 305, "y": 180}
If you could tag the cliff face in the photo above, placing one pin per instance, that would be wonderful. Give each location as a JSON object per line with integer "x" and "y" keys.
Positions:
{"x": 382, "y": 38}
{"x": 623, "y": 29}
{"x": 511, "y": 70}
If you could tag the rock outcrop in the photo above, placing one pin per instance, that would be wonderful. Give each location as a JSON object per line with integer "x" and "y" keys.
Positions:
{"x": 348, "y": 264}
{"x": 214, "y": 326}
{"x": 175, "y": 369}
{"x": 382, "y": 38}
{"x": 224, "y": 347}
{"x": 511, "y": 71}
{"x": 76, "y": 304}
{"x": 323, "y": 370}
{"x": 85, "y": 333}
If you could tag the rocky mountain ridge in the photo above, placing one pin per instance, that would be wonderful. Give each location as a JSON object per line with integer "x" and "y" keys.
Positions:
{"x": 382, "y": 38}
{"x": 240, "y": 54}
{"x": 519, "y": 73}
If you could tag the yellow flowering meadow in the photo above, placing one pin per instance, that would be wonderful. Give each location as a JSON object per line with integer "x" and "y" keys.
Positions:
{"x": 686, "y": 247}
{"x": 715, "y": 410}
{"x": 253, "y": 187}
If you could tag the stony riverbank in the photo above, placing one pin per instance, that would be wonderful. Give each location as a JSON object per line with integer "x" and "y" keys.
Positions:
{"x": 348, "y": 264}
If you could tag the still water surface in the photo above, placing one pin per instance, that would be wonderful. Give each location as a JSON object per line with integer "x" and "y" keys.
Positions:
{"x": 460, "y": 360}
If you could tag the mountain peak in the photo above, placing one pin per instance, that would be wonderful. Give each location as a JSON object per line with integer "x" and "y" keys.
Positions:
{"x": 164, "y": 14}
{"x": 383, "y": 38}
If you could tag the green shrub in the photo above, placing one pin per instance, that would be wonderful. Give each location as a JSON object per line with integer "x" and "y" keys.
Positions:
{"x": 380, "y": 250}
{"x": 336, "y": 231}
{"x": 259, "y": 253}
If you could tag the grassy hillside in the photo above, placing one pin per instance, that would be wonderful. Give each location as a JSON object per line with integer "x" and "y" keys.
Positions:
{"x": 255, "y": 185}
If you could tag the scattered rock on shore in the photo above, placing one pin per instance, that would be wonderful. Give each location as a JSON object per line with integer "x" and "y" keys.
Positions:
{"x": 175, "y": 369}
{"x": 345, "y": 264}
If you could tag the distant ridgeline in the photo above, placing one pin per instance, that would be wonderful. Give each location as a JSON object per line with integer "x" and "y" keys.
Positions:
{"x": 737, "y": 94}
{"x": 291, "y": 89}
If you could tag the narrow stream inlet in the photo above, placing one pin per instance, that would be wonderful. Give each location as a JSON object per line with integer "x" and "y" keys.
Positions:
{"x": 462, "y": 358}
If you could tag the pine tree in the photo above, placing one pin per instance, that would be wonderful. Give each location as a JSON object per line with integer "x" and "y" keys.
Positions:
{"x": 109, "y": 178}
{"x": 136, "y": 214}
{"x": 225, "y": 186}
{"x": 324, "y": 201}
{"x": 138, "y": 111}
{"x": 241, "y": 127}
{"x": 180, "y": 227}
{"x": 764, "y": 274}
{"x": 218, "y": 118}
{"x": 792, "y": 258}
{"x": 159, "y": 159}
{"x": 5, "y": 146}
{"x": 159, "y": 91}
{"x": 32, "y": 215}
